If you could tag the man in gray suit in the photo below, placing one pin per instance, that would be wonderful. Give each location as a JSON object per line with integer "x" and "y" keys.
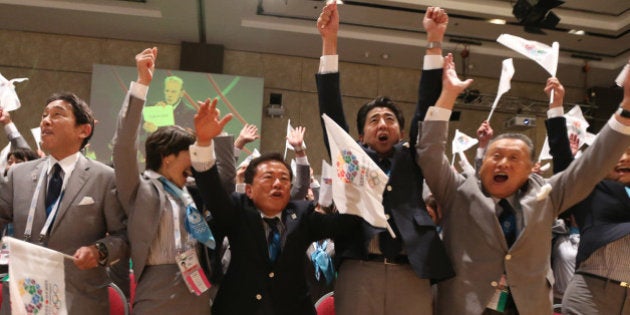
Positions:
{"x": 497, "y": 225}
{"x": 78, "y": 194}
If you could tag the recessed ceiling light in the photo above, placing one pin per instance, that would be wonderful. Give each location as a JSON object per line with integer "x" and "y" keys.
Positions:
{"x": 577, "y": 32}
{"x": 385, "y": 56}
{"x": 497, "y": 21}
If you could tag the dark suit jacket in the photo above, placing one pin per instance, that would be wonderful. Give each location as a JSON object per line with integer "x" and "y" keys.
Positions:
{"x": 252, "y": 283}
{"x": 403, "y": 196}
{"x": 604, "y": 216}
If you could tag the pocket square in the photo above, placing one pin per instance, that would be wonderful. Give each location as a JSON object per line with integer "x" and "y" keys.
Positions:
{"x": 87, "y": 200}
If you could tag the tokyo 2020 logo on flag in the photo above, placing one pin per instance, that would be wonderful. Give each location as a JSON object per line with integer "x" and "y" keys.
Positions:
{"x": 347, "y": 166}
{"x": 36, "y": 296}
{"x": 36, "y": 279}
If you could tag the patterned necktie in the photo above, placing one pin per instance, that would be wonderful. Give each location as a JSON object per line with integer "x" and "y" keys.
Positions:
{"x": 508, "y": 222}
{"x": 273, "y": 238}
{"x": 54, "y": 188}
{"x": 390, "y": 247}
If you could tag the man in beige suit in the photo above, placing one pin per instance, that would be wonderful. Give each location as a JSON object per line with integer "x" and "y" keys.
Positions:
{"x": 497, "y": 225}
{"x": 87, "y": 220}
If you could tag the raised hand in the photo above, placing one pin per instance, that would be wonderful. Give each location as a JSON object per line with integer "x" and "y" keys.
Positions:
{"x": 435, "y": 22}
{"x": 296, "y": 136}
{"x": 574, "y": 143}
{"x": 208, "y": 122}
{"x": 248, "y": 134}
{"x": 553, "y": 84}
{"x": 145, "y": 63}
{"x": 328, "y": 27}
{"x": 5, "y": 117}
{"x": 452, "y": 86}
{"x": 484, "y": 134}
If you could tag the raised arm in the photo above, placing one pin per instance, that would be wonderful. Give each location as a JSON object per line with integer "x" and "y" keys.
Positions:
{"x": 14, "y": 135}
{"x": 439, "y": 174}
{"x": 125, "y": 140}
{"x": 556, "y": 124}
{"x": 302, "y": 176}
{"x": 434, "y": 22}
{"x": 327, "y": 78}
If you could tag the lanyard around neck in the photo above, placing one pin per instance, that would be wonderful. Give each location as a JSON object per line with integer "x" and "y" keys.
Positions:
{"x": 31, "y": 211}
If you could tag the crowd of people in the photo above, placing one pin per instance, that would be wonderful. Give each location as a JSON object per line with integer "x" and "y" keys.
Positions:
{"x": 206, "y": 236}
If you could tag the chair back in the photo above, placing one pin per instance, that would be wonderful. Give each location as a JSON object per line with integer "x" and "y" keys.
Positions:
{"x": 118, "y": 304}
{"x": 326, "y": 304}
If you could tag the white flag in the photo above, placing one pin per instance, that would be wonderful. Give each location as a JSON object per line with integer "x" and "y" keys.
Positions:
{"x": 359, "y": 183}
{"x": 507, "y": 72}
{"x": 36, "y": 279}
{"x": 287, "y": 145}
{"x": 325, "y": 188}
{"x": 249, "y": 158}
{"x": 37, "y": 135}
{"x": 544, "y": 55}
{"x": 622, "y": 75}
{"x": 577, "y": 124}
{"x": 462, "y": 142}
{"x": 8, "y": 98}
{"x": 544, "y": 152}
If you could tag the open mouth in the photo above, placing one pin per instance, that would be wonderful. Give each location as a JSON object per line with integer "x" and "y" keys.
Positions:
{"x": 383, "y": 137}
{"x": 276, "y": 194}
{"x": 623, "y": 170}
{"x": 500, "y": 178}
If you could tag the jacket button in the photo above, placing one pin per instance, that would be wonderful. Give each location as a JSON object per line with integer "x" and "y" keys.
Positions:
{"x": 508, "y": 257}
{"x": 389, "y": 187}
{"x": 271, "y": 274}
{"x": 258, "y": 297}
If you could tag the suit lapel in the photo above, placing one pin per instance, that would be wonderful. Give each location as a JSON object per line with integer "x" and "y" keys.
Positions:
{"x": 40, "y": 206}
{"x": 75, "y": 184}
{"x": 260, "y": 237}
{"x": 290, "y": 220}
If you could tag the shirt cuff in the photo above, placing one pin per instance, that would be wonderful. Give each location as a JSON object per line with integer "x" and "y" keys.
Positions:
{"x": 301, "y": 160}
{"x": 328, "y": 64}
{"x": 438, "y": 113}
{"x": 138, "y": 90}
{"x": 202, "y": 158}
{"x": 11, "y": 130}
{"x": 432, "y": 62}
{"x": 555, "y": 112}
{"x": 480, "y": 153}
{"x": 237, "y": 152}
{"x": 617, "y": 126}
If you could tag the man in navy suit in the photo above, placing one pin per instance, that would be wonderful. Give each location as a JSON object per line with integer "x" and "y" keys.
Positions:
{"x": 600, "y": 284}
{"x": 379, "y": 274}
{"x": 268, "y": 233}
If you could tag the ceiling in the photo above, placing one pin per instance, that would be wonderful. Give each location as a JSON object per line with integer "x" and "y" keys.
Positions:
{"x": 383, "y": 32}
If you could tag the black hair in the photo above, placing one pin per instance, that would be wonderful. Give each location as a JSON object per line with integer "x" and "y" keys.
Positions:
{"x": 164, "y": 142}
{"x": 381, "y": 101}
{"x": 81, "y": 110}
{"x": 250, "y": 171}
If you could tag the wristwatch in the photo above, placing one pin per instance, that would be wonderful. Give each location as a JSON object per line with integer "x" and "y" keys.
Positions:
{"x": 623, "y": 112}
{"x": 434, "y": 45}
{"x": 102, "y": 253}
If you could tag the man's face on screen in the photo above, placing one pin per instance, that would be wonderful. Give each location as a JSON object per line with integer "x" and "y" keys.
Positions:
{"x": 173, "y": 92}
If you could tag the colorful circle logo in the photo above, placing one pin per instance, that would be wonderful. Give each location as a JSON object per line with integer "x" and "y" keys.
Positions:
{"x": 347, "y": 166}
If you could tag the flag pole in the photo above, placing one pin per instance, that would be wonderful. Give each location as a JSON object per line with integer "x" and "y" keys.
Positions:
{"x": 391, "y": 232}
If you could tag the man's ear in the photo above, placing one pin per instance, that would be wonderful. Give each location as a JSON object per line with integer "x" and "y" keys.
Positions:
{"x": 85, "y": 130}
{"x": 248, "y": 190}
{"x": 361, "y": 138}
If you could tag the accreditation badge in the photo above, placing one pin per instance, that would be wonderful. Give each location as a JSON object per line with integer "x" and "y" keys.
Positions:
{"x": 192, "y": 273}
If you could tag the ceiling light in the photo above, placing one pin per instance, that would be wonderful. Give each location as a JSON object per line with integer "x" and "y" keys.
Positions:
{"x": 385, "y": 56}
{"x": 497, "y": 21}
{"x": 577, "y": 32}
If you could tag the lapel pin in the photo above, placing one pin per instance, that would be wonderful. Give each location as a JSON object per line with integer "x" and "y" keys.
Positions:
{"x": 293, "y": 216}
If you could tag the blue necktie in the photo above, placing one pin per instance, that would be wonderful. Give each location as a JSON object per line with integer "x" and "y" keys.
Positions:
{"x": 54, "y": 188}
{"x": 273, "y": 238}
{"x": 508, "y": 222}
